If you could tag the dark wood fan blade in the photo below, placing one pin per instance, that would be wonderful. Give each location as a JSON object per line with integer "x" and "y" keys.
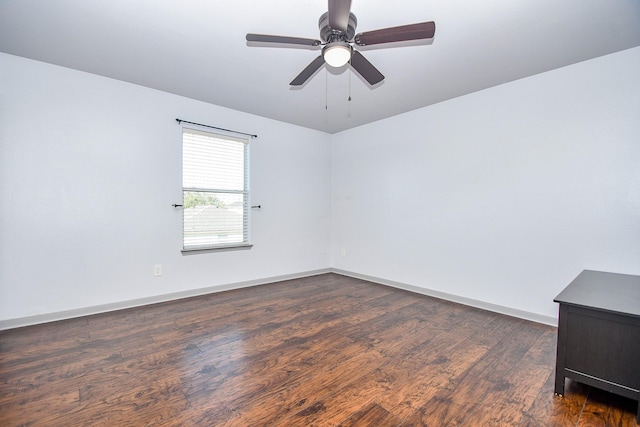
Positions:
{"x": 423, "y": 30}
{"x": 264, "y": 38}
{"x": 308, "y": 72}
{"x": 339, "y": 14}
{"x": 365, "y": 68}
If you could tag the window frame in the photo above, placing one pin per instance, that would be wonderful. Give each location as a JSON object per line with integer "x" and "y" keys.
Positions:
{"x": 245, "y": 192}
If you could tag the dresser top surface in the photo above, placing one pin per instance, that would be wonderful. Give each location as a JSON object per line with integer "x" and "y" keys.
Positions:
{"x": 613, "y": 292}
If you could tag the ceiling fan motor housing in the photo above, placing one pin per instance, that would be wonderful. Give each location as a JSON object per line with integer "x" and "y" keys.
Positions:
{"x": 328, "y": 35}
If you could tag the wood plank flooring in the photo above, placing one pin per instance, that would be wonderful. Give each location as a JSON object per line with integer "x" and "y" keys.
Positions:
{"x": 326, "y": 350}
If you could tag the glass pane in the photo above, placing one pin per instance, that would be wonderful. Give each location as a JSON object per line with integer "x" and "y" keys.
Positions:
{"x": 213, "y": 219}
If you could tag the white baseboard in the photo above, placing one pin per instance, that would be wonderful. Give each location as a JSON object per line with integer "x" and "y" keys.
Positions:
{"x": 538, "y": 318}
{"x": 103, "y": 308}
{"x": 86, "y": 311}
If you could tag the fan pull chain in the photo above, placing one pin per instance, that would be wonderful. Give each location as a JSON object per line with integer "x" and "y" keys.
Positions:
{"x": 350, "y": 72}
{"x": 326, "y": 89}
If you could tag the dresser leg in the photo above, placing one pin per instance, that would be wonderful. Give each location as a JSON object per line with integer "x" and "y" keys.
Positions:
{"x": 561, "y": 349}
{"x": 559, "y": 389}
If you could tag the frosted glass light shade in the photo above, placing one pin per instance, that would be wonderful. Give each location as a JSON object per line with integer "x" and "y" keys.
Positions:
{"x": 336, "y": 55}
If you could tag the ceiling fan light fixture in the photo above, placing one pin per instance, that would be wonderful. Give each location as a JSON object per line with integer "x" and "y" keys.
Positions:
{"x": 336, "y": 54}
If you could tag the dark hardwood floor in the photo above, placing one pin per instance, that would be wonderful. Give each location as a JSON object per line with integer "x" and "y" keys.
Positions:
{"x": 320, "y": 351}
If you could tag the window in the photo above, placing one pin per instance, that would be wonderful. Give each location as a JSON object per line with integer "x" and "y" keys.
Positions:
{"x": 215, "y": 190}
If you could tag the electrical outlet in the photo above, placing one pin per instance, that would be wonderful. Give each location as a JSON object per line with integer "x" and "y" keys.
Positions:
{"x": 157, "y": 270}
{"x": 343, "y": 252}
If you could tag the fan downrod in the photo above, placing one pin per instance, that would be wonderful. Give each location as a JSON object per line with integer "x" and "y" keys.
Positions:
{"x": 328, "y": 34}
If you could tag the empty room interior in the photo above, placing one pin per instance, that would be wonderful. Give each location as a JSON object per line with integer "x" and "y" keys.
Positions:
{"x": 392, "y": 246}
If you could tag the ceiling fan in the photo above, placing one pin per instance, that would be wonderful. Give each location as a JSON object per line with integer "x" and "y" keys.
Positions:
{"x": 337, "y": 34}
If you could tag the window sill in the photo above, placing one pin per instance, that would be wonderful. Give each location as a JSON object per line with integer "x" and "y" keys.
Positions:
{"x": 238, "y": 247}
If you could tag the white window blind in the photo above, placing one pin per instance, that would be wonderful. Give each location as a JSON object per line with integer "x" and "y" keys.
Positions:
{"x": 215, "y": 185}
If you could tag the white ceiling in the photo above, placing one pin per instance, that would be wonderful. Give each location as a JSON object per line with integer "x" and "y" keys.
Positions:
{"x": 197, "y": 48}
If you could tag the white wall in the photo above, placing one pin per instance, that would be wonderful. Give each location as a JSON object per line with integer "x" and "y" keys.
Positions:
{"x": 502, "y": 196}
{"x": 89, "y": 168}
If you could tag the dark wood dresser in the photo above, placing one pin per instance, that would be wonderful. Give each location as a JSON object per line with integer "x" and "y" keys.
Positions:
{"x": 599, "y": 333}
